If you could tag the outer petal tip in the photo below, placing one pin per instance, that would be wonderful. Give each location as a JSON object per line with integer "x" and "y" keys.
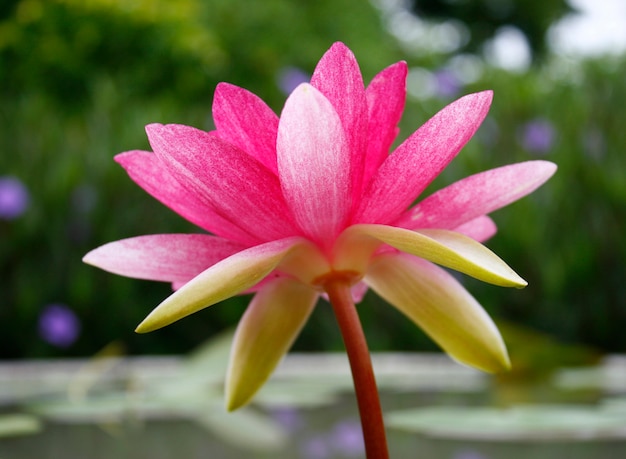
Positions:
{"x": 495, "y": 362}
{"x": 153, "y": 128}
{"x": 152, "y": 322}
{"x": 521, "y": 283}
{"x": 549, "y": 168}
{"x": 487, "y": 94}
{"x": 99, "y": 257}
{"x": 141, "y": 328}
{"x": 232, "y": 404}
{"x": 87, "y": 259}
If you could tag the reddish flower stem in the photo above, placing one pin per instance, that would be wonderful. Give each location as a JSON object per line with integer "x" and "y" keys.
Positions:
{"x": 338, "y": 291}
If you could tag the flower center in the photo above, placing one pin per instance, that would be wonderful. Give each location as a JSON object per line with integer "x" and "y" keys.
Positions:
{"x": 348, "y": 276}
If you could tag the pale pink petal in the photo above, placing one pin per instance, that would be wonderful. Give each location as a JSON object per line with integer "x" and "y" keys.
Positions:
{"x": 244, "y": 120}
{"x": 386, "y": 95}
{"x": 152, "y": 175}
{"x": 438, "y": 304}
{"x": 480, "y": 229}
{"x": 265, "y": 333}
{"x": 338, "y": 77}
{"x": 228, "y": 180}
{"x": 224, "y": 279}
{"x": 447, "y": 248}
{"x": 162, "y": 257}
{"x": 314, "y": 163}
{"x": 477, "y": 195}
{"x": 358, "y": 292}
{"x": 420, "y": 158}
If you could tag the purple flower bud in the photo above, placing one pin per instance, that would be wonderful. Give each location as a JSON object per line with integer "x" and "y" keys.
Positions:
{"x": 58, "y": 325}
{"x": 448, "y": 85}
{"x": 289, "y": 418}
{"x": 14, "y": 198}
{"x": 537, "y": 136}
{"x": 348, "y": 438}
{"x": 316, "y": 448}
{"x": 290, "y": 77}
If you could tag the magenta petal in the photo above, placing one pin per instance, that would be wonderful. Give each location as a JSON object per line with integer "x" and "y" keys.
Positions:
{"x": 338, "y": 77}
{"x": 314, "y": 163}
{"x": 420, "y": 158}
{"x": 244, "y": 120}
{"x": 162, "y": 257}
{"x": 228, "y": 180}
{"x": 480, "y": 229}
{"x": 150, "y": 173}
{"x": 386, "y": 95}
{"x": 477, "y": 195}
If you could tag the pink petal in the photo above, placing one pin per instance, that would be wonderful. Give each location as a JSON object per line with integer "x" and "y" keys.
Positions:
{"x": 415, "y": 163}
{"x": 386, "y": 95}
{"x": 314, "y": 163}
{"x": 358, "y": 292}
{"x": 437, "y": 303}
{"x": 477, "y": 195}
{"x": 244, "y": 120}
{"x": 480, "y": 229}
{"x": 225, "y": 178}
{"x": 150, "y": 173}
{"x": 162, "y": 257}
{"x": 338, "y": 77}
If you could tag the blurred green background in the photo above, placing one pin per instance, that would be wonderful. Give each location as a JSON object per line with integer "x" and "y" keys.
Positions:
{"x": 81, "y": 79}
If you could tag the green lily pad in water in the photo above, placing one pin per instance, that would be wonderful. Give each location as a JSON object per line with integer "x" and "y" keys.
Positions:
{"x": 520, "y": 423}
{"x": 18, "y": 424}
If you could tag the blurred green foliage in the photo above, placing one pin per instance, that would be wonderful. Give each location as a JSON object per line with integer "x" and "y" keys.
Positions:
{"x": 81, "y": 79}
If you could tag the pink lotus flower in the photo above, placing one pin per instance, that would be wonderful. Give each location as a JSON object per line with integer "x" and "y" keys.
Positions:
{"x": 297, "y": 202}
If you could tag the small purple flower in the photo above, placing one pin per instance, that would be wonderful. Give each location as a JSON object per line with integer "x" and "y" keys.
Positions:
{"x": 537, "y": 136}
{"x": 316, "y": 448}
{"x": 289, "y": 78}
{"x": 14, "y": 198}
{"x": 58, "y": 325}
{"x": 288, "y": 418}
{"x": 448, "y": 85}
{"x": 347, "y": 438}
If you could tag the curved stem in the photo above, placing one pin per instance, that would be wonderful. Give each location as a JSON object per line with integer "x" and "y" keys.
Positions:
{"x": 338, "y": 291}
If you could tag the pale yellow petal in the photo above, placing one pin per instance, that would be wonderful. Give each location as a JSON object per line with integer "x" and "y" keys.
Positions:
{"x": 227, "y": 278}
{"x": 444, "y": 247}
{"x": 437, "y": 303}
{"x": 265, "y": 333}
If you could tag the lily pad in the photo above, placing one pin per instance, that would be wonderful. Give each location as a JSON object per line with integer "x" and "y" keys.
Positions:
{"x": 520, "y": 423}
{"x": 18, "y": 424}
{"x": 245, "y": 428}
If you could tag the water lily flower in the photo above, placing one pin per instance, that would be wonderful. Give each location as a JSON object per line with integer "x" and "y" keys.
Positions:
{"x": 299, "y": 204}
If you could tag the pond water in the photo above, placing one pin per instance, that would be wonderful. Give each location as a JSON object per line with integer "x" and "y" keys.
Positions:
{"x": 434, "y": 408}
